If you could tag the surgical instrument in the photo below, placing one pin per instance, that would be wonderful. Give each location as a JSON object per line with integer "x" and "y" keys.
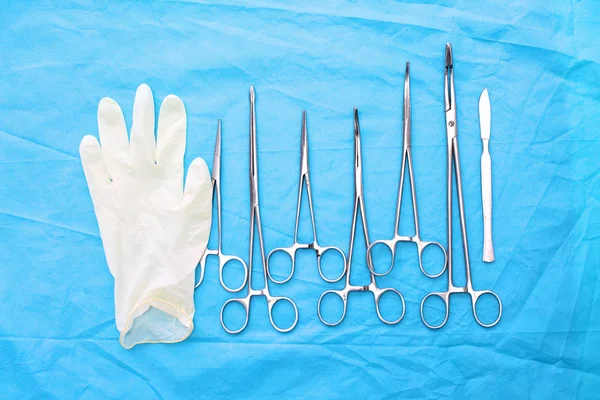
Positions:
{"x": 486, "y": 175}
{"x": 223, "y": 258}
{"x": 291, "y": 250}
{"x": 453, "y": 158}
{"x": 406, "y": 161}
{"x": 255, "y": 219}
{"x": 359, "y": 205}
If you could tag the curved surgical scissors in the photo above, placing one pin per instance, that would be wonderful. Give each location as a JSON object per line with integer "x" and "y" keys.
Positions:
{"x": 223, "y": 258}
{"x": 319, "y": 250}
{"x": 406, "y": 160}
{"x": 255, "y": 218}
{"x": 359, "y": 205}
{"x": 452, "y": 142}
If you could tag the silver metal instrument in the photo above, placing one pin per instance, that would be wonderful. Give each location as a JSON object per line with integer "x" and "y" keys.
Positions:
{"x": 223, "y": 258}
{"x": 291, "y": 250}
{"x": 486, "y": 175}
{"x": 359, "y": 205}
{"x": 453, "y": 158}
{"x": 255, "y": 219}
{"x": 406, "y": 161}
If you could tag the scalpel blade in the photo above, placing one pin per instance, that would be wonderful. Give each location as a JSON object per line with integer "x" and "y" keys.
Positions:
{"x": 484, "y": 115}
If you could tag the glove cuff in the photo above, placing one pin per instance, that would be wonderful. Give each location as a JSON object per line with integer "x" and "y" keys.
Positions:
{"x": 156, "y": 321}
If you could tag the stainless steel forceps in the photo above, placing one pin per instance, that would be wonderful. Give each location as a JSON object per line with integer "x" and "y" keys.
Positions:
{"x": 359, "y": 205}
{"x": 291, "y": 250}
{"x": 255, "y": 218}
{"x": 406, "y": 160}
{"x": 223, "y": 258}
{"x": 452, "y": 142}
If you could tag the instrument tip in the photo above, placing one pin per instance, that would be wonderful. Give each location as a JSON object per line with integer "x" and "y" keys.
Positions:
{"x": 251, "y": 93}
{"x": 356, "y": 126}
{"x": 407, "y": 93}
{"x": 448, "y": 55}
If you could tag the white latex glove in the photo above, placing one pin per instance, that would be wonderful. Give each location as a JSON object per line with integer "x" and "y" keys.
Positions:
{"x": 153, "y": 231}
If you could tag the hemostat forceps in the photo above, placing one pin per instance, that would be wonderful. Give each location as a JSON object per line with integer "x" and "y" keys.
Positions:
{"x": 255, "y": 219}
{"x": 359, "y": 205}
{"x": 406, "y": 160}
{"x": 223, "y": 258}
{"x": 452, "y": 141}
{"x": 291, "y": 250}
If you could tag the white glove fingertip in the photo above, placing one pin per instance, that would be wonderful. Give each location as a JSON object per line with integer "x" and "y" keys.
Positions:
{"x": 112, "y": 129}
{"x": 90, "y": 150}
{"x": 95, "y": 171}
{"x": 142, "y": 147}
{"x": 143, "y": 89}
{"x": 198, "y": 186}
{"x": 172, "y": 103}
{"x": 107, "y": 103}
{"x": 108, "y": 112}
{"x": 197, "y": 206}
{"x": 170, "y": 138}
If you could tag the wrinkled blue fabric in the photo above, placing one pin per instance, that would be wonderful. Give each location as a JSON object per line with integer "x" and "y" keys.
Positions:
{"x": 540, "y": 62}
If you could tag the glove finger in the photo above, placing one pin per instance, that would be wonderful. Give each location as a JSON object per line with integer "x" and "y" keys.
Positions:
{"x": 96, "y": 174}
{"x": 197, "y": 202}
{"x": 143, "y": 146}
{"x": 113, "y": 133}
{"x": 170, "y": 141}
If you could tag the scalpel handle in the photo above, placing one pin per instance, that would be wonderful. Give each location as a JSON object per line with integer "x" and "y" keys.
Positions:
{"x": 486, "y": 197}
